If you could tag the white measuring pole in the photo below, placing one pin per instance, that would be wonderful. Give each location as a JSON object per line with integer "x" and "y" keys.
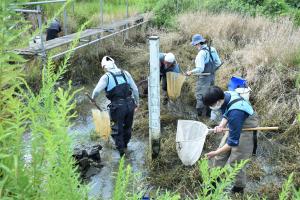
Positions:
{"x": 154, "y": 97}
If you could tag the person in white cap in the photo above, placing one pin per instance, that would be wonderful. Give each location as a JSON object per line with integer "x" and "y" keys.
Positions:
{"x": 207, "y": 61}
{"x": 123, "y": 93}
{"x": 167, "y": 64}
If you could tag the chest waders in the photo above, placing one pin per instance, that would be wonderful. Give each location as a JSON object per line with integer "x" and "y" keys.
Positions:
{"x": 243, "y": 151}
{"x": 204, "y": 82}
{"x": 121, "y": 111}
{"x": 250, "y": 122}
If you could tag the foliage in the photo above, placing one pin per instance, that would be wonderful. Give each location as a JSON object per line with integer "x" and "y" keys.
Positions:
{"x": 36, "y": 156}
{"x": 222, "y": 177}
{"x": 124, "y": 180}
{"x": 272, "y": 8}
{"x": 293, "y": 3}
{"x": 275, "y": 7}
{"x": 216, "y": 180}
{"x": 286, "y": 188}
{"x": 164, "y": 12}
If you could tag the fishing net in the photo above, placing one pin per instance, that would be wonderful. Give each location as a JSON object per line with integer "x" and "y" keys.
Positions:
{"x": 190, "y": 138}
{"x": 102, "y": 123}
{"x": 174, "y": 84}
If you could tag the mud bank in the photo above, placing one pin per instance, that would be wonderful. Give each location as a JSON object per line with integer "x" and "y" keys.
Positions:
{"x": 275, "y": 159}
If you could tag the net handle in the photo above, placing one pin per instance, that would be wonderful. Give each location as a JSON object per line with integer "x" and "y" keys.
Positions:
{"x": 93, "y": 101}
{"x": 275, "y": 128}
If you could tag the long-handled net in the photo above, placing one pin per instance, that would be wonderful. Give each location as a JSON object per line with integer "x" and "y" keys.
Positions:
{"x": 174, "y": 84}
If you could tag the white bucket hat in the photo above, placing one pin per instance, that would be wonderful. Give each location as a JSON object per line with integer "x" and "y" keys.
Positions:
{"x": 170, "y": 58}
{"x": 108, "y": 63}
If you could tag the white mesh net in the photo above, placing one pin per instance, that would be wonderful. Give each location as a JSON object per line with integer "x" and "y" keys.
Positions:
{"x": 190, "y": 138}
{"x": 102, "y": 123}
{"x": 174, "y": 84}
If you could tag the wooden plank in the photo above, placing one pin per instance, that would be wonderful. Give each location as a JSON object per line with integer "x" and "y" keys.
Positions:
{"x": 51, "y": 44}
{"x": 64, "y": 40}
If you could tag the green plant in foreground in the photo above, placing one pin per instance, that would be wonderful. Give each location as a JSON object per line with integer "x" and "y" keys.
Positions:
{"x": 214, "y": 181}
{"x": 221, "y": 177}
{"x": 125, "y": 179}
{"x": 225, "y": 175}
{"x": 41, "y": 166}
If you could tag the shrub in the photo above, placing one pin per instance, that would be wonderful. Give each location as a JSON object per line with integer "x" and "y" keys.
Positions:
{"x": 293, "y": 3}
{"x": 164, "y": 12}
{"x": 275, "y": 7}
{"x": 41, "y": 166}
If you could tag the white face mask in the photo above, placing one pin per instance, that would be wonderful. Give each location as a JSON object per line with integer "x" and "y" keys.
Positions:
{"x": 217, "y": 105}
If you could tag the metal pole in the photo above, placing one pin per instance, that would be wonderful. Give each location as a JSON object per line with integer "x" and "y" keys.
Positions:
{"x": 101, "y": 13}
{"x": 27, "y": 11}
{"x": 97, "y": 40}
{"x": 73, "y": 7}
{"x": 154, "y": 97}
{"x": 38, "y": 3}
{"x": 38, "y": 7}
{"x": 127, "y": 16}
{"x": 65, "y": 21}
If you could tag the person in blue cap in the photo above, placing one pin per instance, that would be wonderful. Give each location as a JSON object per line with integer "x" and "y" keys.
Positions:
{"x": 207, "y": 61}
{"x": 236, "y": 145}
{"x": 167, "y": 63}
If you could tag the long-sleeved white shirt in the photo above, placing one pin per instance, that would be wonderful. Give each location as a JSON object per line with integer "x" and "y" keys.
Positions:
{"x": 104, "y": 81}
{"x": 203, "y": 57}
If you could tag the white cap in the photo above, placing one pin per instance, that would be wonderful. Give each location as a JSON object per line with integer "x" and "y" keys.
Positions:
{"x": 107, "y": 62}
{"x": 170, "y": 58}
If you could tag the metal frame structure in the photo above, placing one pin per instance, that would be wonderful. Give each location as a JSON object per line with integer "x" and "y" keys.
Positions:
{"x": 88, "y": 42}
{"x": 38, "y": 11}
{"x": 96, "y": 40}
{"x": 38, "y": 4}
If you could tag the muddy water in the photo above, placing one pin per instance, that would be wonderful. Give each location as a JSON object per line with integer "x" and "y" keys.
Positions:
{"x": 101, "y": 181}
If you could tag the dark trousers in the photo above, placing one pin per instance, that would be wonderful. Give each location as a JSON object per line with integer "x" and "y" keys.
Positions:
{"x": 121, "y": 113}
{"x": 164, "y": 83}
{"x": 51, "y": 34}
{"x": 202, "y": 85}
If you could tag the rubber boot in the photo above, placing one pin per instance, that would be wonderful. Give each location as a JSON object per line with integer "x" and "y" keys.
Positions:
{"x": 237, "y": 190}
{"x": 121, "y": 152}
{"x": 199, "y": 112}
{"x": 208, "y": 112}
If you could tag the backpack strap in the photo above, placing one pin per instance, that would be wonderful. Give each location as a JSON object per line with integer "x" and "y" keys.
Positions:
{"x": 114, "y": 76}
{"x": 233, "y": 102}
{"x": 209, "y": 52}
{"x": 122, "y": 72}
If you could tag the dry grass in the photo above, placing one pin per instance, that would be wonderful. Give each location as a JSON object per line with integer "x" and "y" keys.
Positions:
{"x": 261, "y": 50}
{"x": 264, "y": 52}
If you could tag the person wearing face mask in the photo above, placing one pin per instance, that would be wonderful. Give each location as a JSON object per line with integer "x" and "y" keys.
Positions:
{"x": 207, "y": 61}
{"x": 167, "y": 63}
{"x": 236, "y": 145}
{"x": 123, "y": 93}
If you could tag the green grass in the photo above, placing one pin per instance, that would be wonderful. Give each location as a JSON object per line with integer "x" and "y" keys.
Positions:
{"x": 44, "y": 115}
{"x": 78, "y": 12}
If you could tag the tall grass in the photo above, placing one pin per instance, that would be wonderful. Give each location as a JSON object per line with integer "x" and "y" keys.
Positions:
{"x": 81, "y": 11}
{"x": 222, "y": 177}
{"x": 40, "y": 165}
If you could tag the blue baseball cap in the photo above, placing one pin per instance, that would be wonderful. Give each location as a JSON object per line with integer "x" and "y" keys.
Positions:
{"x": 196, "y": 39}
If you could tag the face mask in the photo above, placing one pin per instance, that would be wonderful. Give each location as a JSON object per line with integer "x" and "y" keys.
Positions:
{"x": 216, "y": 106}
